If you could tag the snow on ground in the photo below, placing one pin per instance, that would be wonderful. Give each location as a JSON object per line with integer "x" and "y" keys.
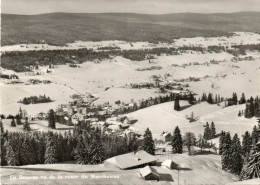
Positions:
{"x": 200, "y": 169}
{"x": 107, "y": 78}
{"x": 246, "y": 182}
{"x": 236, "y": 39}
{"x": 163, "y": 117}
{"x": 38, "y": 125}
{"x": 11, "y": 94}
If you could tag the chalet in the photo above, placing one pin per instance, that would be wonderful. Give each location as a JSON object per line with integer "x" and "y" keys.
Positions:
{"x": 132, "y": 160}
{"x": 123, "y": 126}
{"x": 42, "y": 116}
{"x": 149, "y": 173}
{"x": 76, "y": 118}
{"x": 121, "y": 118}
{"x": 130, "y": 120}
{"x": 169, "y": 164}
{"x": 166, "y": 136}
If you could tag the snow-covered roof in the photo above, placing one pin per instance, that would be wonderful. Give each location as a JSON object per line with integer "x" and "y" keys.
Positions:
{"x": 167, "y": 163}
{"x": 132, "y": 159}
{"x": 148, "y": 170}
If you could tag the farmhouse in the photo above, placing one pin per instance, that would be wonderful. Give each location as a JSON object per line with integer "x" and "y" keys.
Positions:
{"x": 166, "y": 136}
{"x": 132, "y": 160}
{"x": 149, "y": 173}
{"x": 169, "y": 164}
{"x": 123, "y": 126}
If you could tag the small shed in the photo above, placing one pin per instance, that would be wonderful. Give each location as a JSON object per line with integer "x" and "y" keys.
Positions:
{"x": 149, "y": 173}
{"x": 123, "y": 126}
{"x": 169, "y": 164}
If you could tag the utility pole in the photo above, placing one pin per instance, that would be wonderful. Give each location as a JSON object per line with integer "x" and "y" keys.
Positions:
{"x": 178, "y": 177}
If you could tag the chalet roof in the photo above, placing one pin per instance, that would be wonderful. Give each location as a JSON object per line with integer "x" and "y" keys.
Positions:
{"x": 132, "y": 159}
{"x": 124, "y": 125}
{"x": 167, "y": 163}
{"x": 148, "y": 170}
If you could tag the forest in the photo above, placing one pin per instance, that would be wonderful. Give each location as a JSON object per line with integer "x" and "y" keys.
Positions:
{"x": 22, "y": 61}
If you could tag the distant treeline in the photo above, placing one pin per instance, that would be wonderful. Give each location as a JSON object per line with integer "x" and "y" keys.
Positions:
{"x": 22, "y": 60}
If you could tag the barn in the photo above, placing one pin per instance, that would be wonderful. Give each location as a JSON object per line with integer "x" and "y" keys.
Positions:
{"x": 169, "y": 164}
{"x": 149, "y": 173}
{"x": 132, "y": 160}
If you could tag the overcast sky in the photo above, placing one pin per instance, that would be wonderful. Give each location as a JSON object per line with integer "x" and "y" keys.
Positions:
{"x": 135, "y": 6}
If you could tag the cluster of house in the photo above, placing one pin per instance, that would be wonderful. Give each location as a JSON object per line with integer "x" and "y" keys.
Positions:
{"x": 37, "y": 81}
{"x": 140, "y": 159}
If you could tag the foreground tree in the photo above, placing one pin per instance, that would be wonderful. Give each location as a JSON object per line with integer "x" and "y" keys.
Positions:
{"x": 221, "y": 141}
{"x": 148, "y": 143}
{"x": 246, "y": 143}
{"x": 251, "y": 169}
{"x": 226, "y": 153}
{"x": 96, "y": 152}
{"x": 81, "y": 152}
{"x": 236, "y": 157}
{"x": 10, "y": 155}
{"x": 51, "y": 151}
{"x": 177, "y": 141}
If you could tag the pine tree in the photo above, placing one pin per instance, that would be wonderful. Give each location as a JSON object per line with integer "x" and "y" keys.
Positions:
{"x": 212, "y": 130}
{"x": 26, "y": 125}
{"x": 226, "y": 153}
{"x": 81, "y": 153}
{"x": 51, "y": 151}
{"x": 255, "y": 136}
{"x": 26, "y": 152}
{"x": 234, "y": 98}
{"x": 177, "y": 141}
{"x": 191, "y": 99}
{"x": 2, "y": 127}
{"x": 207, "y": 132}
{"x": 242, "y": 99}
{"x": 251, "y": 169}
{"x": 177, "y": 104}
{"x": 239, "y": 113}
{"x": 236, "y": 157}
{"x": 148, "y": 143}
{"x": 221, "y": 141}
{"x": 18, "y": 119}
{"x": 52, "y": 122}
{"x": 13, "y": 123}
{"x": 248, "y": 113}
{"x": 210, "y": 99}
{"x": 246, "y": 143}
{"x": 97, "y": 152}
{"x": 10, "y": 156}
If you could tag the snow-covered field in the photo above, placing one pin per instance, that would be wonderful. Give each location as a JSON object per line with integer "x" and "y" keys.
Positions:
{"x": 108, "y": 78}
{"x": 38, "y": 125}
{"x": 163, "y": 117}
{"x": 200, "y": 169}
{"x": 236, "y": 39}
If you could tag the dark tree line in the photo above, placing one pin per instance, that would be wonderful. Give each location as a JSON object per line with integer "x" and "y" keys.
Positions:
{"x": 241, "y": 159}
{"x": 209, "y": 131}
{"x": 22, "y": 61}
{"x": 35, "y": 99}
{"x": 252, "y": 108}
{"x": 86, "y": 145}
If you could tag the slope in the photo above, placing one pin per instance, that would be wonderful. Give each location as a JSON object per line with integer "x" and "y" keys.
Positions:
{"x": 61, "y": 28}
